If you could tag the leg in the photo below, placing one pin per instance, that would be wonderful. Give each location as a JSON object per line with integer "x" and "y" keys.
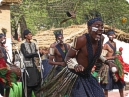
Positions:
{"x": 1, "y": 89}
{"x": 29, "y": 91}
{"x": 7, "y": 92}
{"x": 121, "y": 92}
{"x": 106, "y": 93}
{"x": 35, "y": 89}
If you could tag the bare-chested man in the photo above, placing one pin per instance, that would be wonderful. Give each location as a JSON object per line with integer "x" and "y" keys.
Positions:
{"x": 110, "y": 46}
{"x": 58, "y": 52}
{"x": 76, "y": 80}
{"x": 86, "y": 49}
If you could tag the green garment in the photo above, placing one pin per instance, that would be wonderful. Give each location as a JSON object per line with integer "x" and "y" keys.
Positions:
{"x": 16, "y": 90}
{"x": 95, "y": 74}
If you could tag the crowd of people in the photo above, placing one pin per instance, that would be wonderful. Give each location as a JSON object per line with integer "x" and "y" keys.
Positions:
{"x": 71, "y": 70}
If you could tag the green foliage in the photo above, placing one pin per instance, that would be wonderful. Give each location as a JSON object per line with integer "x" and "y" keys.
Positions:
{"x": 44, "y": 14}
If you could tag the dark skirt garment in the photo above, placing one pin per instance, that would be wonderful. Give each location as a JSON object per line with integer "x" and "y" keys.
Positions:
{"x": 69, "y": 84}
{"x": 87, "y": 87}
{"x": 112, "y": 84}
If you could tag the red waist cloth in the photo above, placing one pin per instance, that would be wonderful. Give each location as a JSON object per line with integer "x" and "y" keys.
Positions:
{"x": 125, "y": 65}
{"x": 6, "y": 76}
{"x": 2, "y": 63}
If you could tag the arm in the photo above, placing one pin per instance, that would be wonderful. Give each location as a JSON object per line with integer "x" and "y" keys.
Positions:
{"x": 26, "y": 54}
{"x": 110, "y": 64}
{"x": 75, "y": 47}
{"x": 70, "y": 57}
{"x": 51, "y": 46}
{"x": 68, "y": 46}
{"x": 52, "y": 57}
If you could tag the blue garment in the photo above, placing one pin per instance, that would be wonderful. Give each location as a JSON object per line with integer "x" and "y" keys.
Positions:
{"x": 112, "y": 84}
{"x": 4, "y": 52}
{"x": 47, "y": 68}
{"x": 87, "y": 87}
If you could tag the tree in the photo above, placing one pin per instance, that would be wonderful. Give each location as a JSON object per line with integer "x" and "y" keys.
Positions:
{"x": 44, "y": 14}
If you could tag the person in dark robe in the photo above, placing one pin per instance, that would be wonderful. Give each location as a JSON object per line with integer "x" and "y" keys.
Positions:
{"x": 114, "y": 80}
{"x": 29, "y": 51}
{"x": 58, "y": 52}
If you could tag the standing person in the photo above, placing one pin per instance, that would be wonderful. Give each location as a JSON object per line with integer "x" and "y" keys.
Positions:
{"x": 114, "y": 80}
{"x": 3, "y": 49}
{"x": 2, "y": 43}
{"x": 28, "y": 49}
{"x": 7, "y": 76}
{"x": 58, "y": 52}
{"x": 57, "y": 41}
{"x": 46, "y": 62}
{"x": 86, "y": 49}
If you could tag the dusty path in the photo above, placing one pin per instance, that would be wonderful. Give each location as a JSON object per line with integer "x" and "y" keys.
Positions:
{"x": 116, "y": 93}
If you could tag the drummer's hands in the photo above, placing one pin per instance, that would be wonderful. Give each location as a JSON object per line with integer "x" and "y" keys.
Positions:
{"x": 79, "y": 68}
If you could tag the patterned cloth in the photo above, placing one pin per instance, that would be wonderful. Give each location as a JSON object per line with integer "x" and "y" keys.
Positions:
{"x": 109, "y": 80}
{"x": 111, "y": 83}
{"x": 103, "y": 74}
{"x": 6, "y": 76}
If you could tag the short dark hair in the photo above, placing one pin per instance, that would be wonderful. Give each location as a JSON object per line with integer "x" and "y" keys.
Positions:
{"x": 26, "y": 32}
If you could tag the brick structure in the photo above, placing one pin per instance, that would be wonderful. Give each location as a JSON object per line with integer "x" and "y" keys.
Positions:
{"x": 5, "y": 21}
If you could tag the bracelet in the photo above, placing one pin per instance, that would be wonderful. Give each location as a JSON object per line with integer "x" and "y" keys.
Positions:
{"x": 102, "y": 59}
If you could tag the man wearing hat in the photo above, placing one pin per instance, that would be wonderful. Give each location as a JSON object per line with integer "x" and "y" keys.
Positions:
{"x": 28, "y": 49}
{"x": 114, "y": 80}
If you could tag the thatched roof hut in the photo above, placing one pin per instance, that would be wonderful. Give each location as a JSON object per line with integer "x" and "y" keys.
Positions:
{"x": 45, "y": 38}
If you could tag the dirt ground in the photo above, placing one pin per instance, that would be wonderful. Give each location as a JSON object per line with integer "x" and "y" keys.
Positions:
{"x": 116, "y": 93}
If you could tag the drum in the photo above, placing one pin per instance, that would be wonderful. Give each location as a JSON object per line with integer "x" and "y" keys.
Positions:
{"x": 16, "y": 70}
